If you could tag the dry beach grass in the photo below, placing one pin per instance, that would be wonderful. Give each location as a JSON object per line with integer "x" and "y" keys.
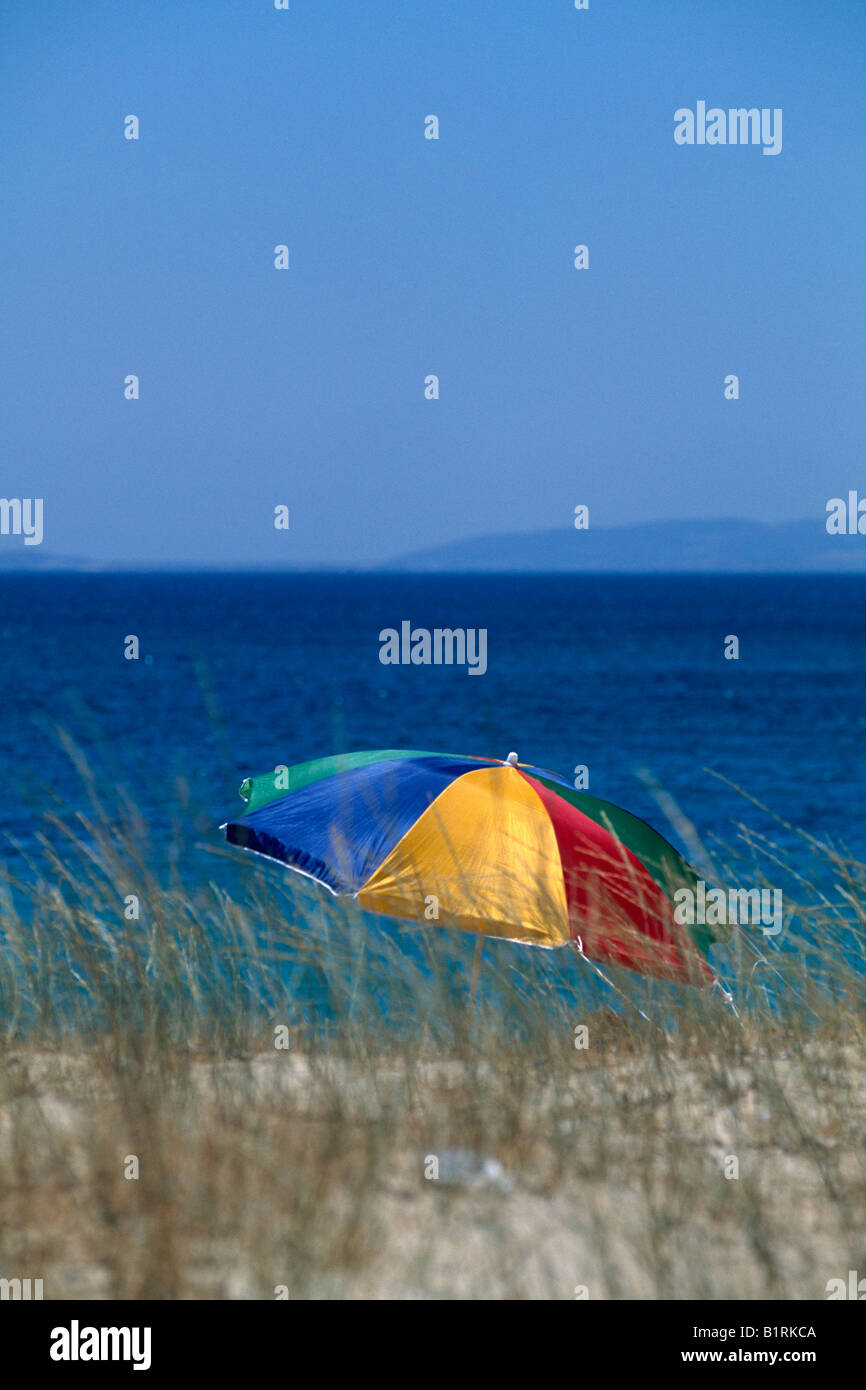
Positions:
{"x": 307, "y": 1167}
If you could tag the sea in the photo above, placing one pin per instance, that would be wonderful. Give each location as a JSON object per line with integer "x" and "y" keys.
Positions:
{"x": 634, "y": 678}
{"x": 719, "y": 708}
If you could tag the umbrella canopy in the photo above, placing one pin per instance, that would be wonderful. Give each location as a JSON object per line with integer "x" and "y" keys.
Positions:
{"x": 503, "y": 849}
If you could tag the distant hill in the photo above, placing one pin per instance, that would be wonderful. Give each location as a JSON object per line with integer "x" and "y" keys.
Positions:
{"x": 660, "y": 546}
{"x": 20, "y": 559}
{"x": 736, "y": 547}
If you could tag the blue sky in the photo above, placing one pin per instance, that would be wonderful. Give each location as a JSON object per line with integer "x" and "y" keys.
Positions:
{"x": 409, "y": 257}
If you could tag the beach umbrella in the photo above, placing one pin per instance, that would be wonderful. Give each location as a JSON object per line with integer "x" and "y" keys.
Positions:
{"x": 499, "y": 848}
